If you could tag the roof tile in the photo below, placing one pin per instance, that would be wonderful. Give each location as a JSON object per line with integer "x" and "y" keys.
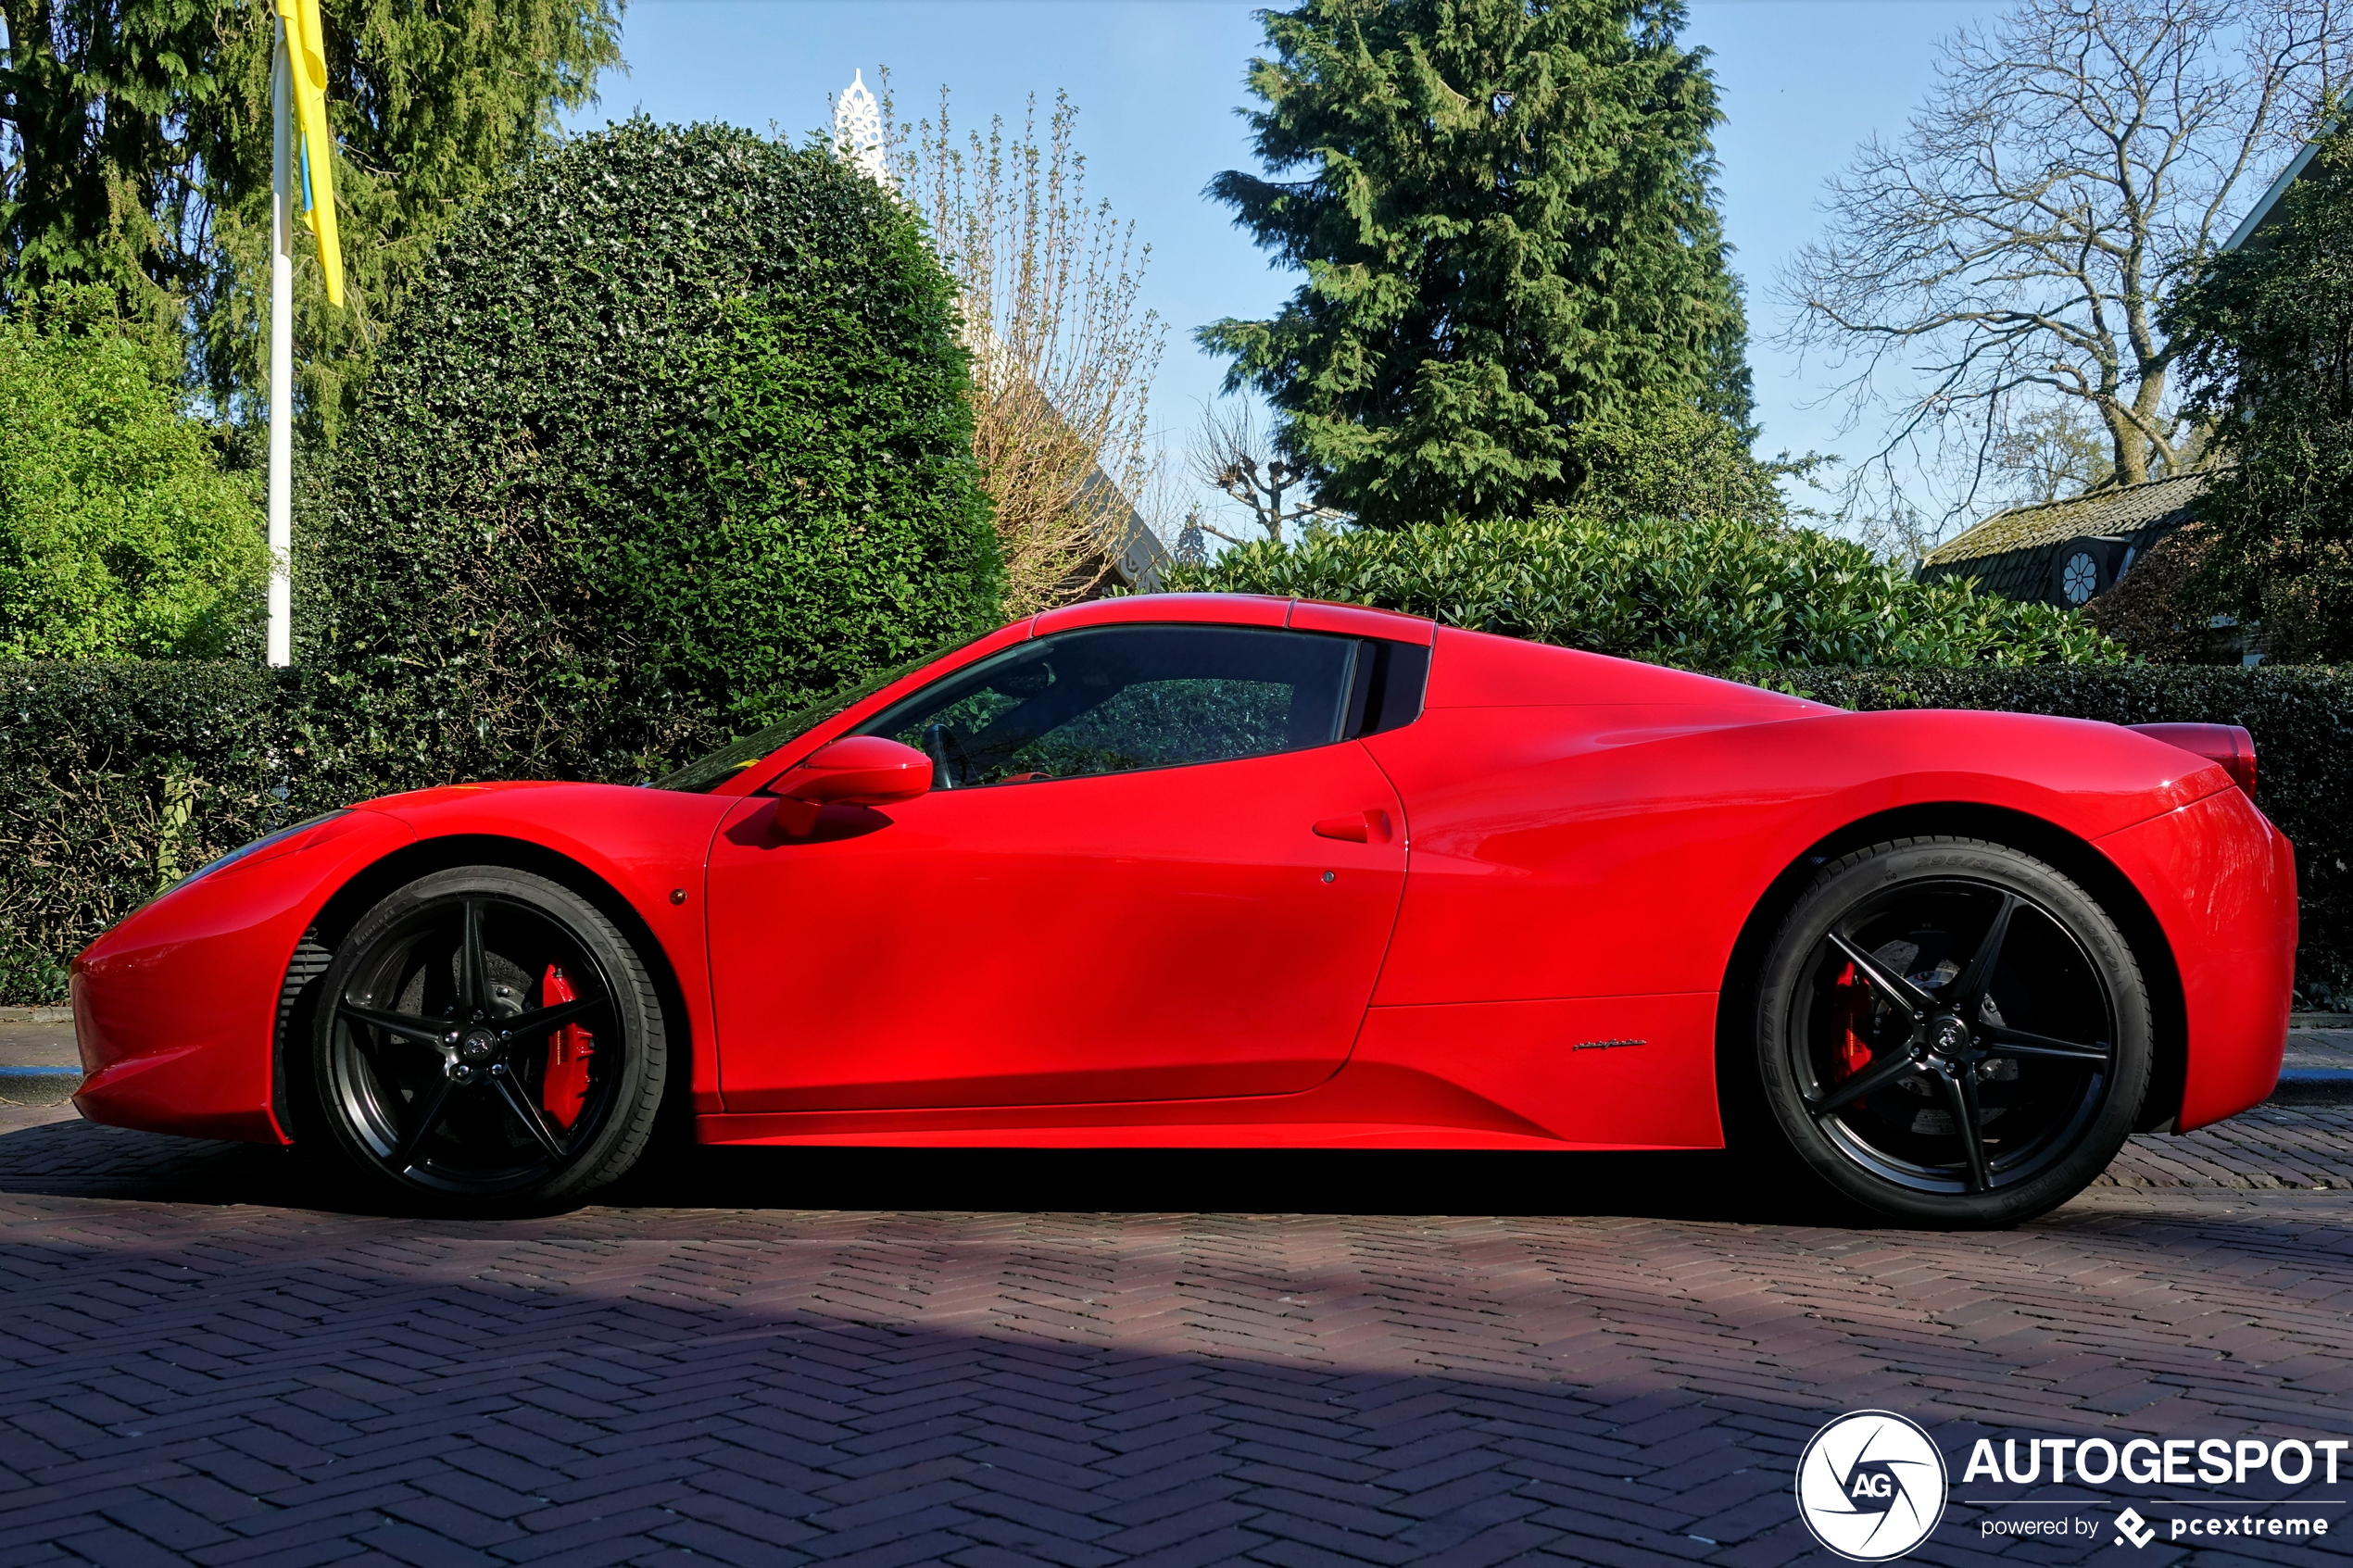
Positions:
{"x": 2125, "y": 510}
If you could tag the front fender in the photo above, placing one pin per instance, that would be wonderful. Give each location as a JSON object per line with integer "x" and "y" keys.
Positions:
{"x": 649, "y": 846}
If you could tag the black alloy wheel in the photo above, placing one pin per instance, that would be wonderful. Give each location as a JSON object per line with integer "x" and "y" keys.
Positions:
{"x": 1952, "y": 1033}
{"x": 486, "y": 1040}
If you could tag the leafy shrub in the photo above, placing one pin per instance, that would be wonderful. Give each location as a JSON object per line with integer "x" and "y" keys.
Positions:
{"x": 1722, "y": 594}
{"x": 2156, "y": 612}
{"x": 117, "y": 777}
{"x": 1661, "y": 457}
{"x": 2265, "y": 334}
{"x": 671, "y": 438}
{"x": 120, "y": 534}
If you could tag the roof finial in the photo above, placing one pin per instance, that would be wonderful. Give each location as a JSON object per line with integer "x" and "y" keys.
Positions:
{"x": 858, "y": 132}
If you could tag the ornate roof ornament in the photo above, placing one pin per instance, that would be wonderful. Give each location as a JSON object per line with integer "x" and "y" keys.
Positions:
{"x": 858, "y": 132}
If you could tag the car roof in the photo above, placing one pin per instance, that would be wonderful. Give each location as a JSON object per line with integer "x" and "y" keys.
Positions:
{"x": 1238, "y": 610}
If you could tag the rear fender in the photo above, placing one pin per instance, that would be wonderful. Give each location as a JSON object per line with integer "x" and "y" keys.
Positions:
{"x": 2082, "y": 862}
{"x": 1621, "y": 849}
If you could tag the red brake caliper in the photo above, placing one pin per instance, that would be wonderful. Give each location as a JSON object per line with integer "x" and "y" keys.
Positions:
{"x": 566, "y": 1086}
{"x": 1850, "y": 1006}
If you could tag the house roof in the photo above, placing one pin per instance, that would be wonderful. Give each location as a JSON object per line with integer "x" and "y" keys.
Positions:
{"x": 1129, "y": 547}
{"x": 2016, "y": 552}
{"x": 2126, "y": 510}
{"x": 2253, "y": 223}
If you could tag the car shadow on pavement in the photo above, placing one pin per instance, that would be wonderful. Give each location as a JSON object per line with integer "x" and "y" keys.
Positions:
{"x": 80, "y": 1159}
{"x": 1699, "y": 1185}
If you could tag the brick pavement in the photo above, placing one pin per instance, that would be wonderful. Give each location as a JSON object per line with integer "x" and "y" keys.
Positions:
{"x": 795, "y": 1357}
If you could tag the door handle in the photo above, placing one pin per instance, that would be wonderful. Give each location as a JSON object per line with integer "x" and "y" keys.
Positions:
{"x": 1357, "y": 827}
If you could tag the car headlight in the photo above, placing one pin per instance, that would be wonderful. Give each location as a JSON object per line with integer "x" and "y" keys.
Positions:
{"x": 259, "y": 844}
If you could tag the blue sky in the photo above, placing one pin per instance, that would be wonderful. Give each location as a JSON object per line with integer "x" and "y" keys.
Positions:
{"x": 1157, "y": 82}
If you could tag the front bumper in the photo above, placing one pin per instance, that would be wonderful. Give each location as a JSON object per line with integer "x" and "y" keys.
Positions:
{"x": 175, "y": 1008}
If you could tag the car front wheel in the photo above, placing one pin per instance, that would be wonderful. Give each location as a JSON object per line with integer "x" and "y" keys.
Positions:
{"x": 1952, "y": 1033}
{"x": 487, "y": 1041}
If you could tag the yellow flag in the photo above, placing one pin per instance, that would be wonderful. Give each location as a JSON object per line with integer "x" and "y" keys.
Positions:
{"x": 307, "y": 62}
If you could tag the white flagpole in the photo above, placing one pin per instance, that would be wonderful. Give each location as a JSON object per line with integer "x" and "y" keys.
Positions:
{"x": 281, "y": 357}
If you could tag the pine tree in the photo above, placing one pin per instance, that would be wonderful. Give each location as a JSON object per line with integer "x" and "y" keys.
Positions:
{"x": 135, "y": 140}
{"x": 1503, "y": 211}
{"x": 94, "y": 166}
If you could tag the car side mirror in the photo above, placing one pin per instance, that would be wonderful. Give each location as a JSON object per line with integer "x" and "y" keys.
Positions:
{"x": 859, "y": 771}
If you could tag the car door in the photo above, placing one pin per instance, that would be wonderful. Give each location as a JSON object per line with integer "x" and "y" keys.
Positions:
{"x": 1116, "y": 889}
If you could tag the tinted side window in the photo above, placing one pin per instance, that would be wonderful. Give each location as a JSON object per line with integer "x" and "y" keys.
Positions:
{"x": 1393, "y": 678}
{"x": 1114, "y": 699}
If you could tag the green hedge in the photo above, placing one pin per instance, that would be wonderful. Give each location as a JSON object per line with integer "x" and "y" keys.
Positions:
{"x": 1699, "y": 593}
{"x": 670, "y": 439}
{"x": 117, "y": 777}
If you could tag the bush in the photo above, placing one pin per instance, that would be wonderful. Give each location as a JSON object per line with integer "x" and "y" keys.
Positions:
{"x": 2154, "y": 609}
{"x": 119, "y": 536}
{"x": 1723, "y": 594}
{"x": 1662, "y": 457}
{"x": 2302, "y": 718}
{"x": 2265, "y": 334}
{"x": 671, "y": 439}
{"x": 116, "y": 778}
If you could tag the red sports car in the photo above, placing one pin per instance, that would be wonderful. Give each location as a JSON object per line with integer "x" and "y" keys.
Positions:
{"x": 1237, "y": 872}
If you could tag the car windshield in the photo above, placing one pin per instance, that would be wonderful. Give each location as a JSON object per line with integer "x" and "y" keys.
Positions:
{"x": 709, "y": 771}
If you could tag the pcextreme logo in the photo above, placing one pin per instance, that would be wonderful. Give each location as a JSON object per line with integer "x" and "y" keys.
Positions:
{"x": 1870, "y": 1485}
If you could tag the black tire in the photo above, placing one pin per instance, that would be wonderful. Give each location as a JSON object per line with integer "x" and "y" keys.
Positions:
{"x": 421, "y": 1079}
{"x": 1894, "y": 1010}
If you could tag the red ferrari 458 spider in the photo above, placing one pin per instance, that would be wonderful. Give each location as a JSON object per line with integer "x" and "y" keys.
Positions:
{"x": 1237, "y": 872}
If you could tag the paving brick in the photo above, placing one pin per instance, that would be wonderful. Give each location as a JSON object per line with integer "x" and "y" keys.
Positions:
{"x": 421, "y": 1547}
{"x": 209, "y": 1371}
{"x": 706, "y": 1539}
{"x": 164, "y": 1522}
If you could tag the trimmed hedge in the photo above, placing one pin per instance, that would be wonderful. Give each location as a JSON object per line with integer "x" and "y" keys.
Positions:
{"x": 671, "y": 438}
{"x": 1699, "y": 593}
{"x": 118, "y": 777}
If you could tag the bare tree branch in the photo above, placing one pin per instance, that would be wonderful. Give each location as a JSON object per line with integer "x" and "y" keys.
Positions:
{"x": 2011, "y": 254}
{"x": 1063, "y": 350}
{"x": 1232, "y": 454}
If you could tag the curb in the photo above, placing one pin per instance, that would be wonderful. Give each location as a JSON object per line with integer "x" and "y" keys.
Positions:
{"x": 38, "y": 1086}
{"x": 2314, "y": 1085}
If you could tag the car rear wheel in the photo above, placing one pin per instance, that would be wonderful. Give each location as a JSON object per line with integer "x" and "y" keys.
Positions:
{"x": 1952, "y": 1033}
{"x": 487, "y": 1041}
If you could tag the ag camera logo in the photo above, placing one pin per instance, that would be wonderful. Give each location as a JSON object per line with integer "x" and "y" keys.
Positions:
{"x": 1870, "y": 1485}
